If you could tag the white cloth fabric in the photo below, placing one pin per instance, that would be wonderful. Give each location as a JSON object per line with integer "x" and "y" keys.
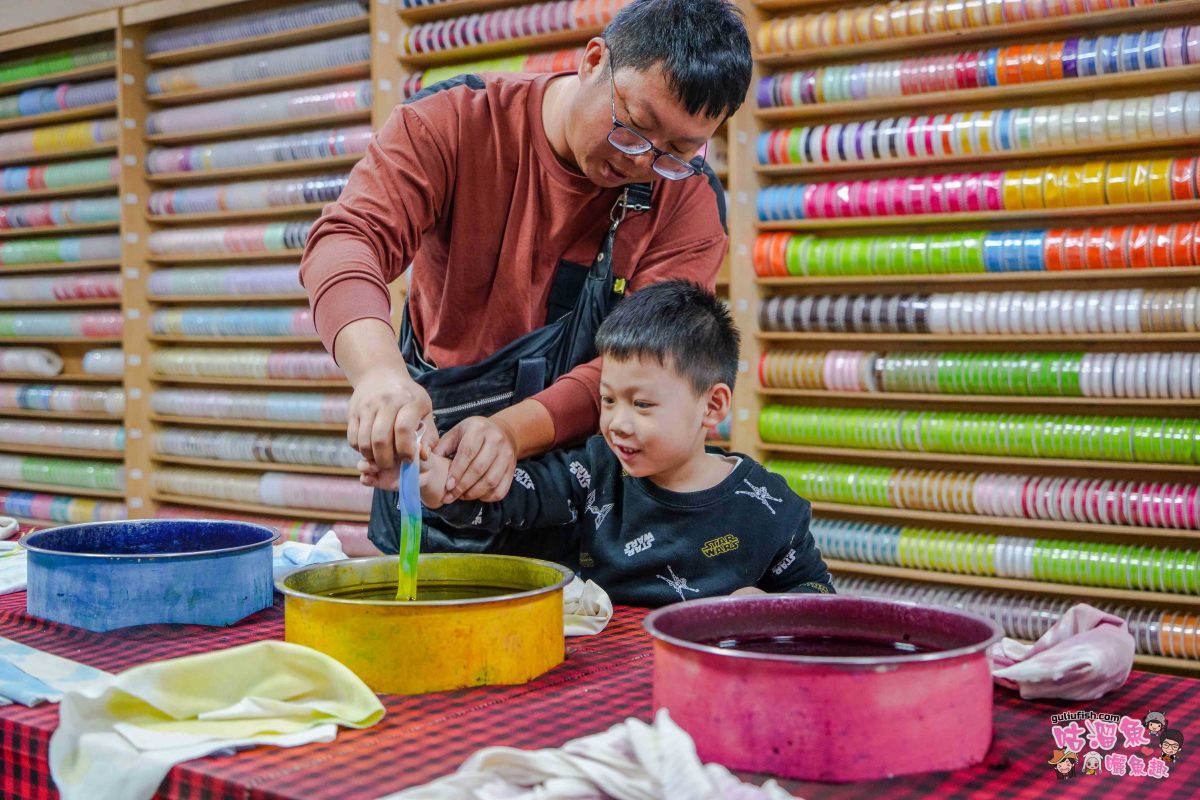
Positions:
{"x": 14, "y": 567}
{"x": 8, "y": 527}
{"x": 29, "y": 676}
{"x": 630, "y": 761}
{"x": 118, "y": 740}
{"x": 586, "y": 608}
{"x": 1087, "y": 654}
{"x": 290, "y": 556}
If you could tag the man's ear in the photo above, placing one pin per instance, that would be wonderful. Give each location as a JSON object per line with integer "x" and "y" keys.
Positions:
{"x": 594, "y": 53}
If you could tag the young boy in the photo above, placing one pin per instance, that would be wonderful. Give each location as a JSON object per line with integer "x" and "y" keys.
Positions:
{"x": 658, "y": 518}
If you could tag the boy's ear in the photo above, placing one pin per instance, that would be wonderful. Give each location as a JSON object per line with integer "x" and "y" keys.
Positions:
{"x": 720, "y": 399}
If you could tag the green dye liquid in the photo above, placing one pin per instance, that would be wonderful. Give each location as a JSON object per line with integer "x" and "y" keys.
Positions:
{"x": 426, "y": 590}
{"x": 410, "y": 552}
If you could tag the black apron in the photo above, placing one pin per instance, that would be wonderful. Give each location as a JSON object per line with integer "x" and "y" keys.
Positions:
{"x": 515, "y": 372}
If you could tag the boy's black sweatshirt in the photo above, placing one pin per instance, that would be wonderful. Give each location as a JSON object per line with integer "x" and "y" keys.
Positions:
{"x": 648, "y": 546}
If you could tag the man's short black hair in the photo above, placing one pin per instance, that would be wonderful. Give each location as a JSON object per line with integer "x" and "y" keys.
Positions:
{"x": 701, "y": 44}
{"x": 1173, "y": 735}
{"x": 679, "y": 325}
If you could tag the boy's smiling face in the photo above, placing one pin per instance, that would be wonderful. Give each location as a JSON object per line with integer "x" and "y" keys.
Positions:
{"x": 652, "y": 418}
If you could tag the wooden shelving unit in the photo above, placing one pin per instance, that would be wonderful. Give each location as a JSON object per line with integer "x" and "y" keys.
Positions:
{"x": 305, "y": 210}
{"x": 56, "y": 117}
{"x": 186, "y": 299}
{"x": 1028, "y": 31}
{"x": 1016, "y": 463}
{"x": 258, "y": 172}
{"x": 253, "y": 424}
{"x": 63, "y": 36}
{"x": 387, "y": 70}
{"x": 1086, "y": 593}
{"x": 212, "y": 258}
{"x": 522, "y": 44}
{"x": 62, "y": 489}
{"x": 349, "y": 72}
{"x": 87, "y": 73}
{"x": 96, "y": 302}
{"x": 61, "y": 266}
{"x": 747, "y": 289}
{"x": 140, "y": 21}
{"x": 1002, "y": 159}
{"x": 1115, "y": 85}
{"x": 1006, "y": 526}
{"x": 1050, "y": 217}
{"x": 1012, "y": 402}
{"x": 254, "y": 466}
{"x": 259, "y": 128}
{"x": 58, "y": 230}
{"x": 66, "y": 416}
{"x": 257, "y": 508}
{"x": 58, "y": 155}
{"x": 54, "y": 451}
{"x": 50, "y": 194}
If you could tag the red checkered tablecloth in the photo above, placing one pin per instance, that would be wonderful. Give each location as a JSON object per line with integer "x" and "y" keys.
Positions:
{"x": 605, "y": 679}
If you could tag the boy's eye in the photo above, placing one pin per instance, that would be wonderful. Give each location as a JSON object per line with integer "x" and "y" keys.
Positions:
{"x": 605, "y": 400}
{"x": 642, "y": 404}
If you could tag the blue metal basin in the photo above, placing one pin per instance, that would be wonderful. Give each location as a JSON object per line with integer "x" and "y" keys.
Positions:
{"x": 107, "y": 575}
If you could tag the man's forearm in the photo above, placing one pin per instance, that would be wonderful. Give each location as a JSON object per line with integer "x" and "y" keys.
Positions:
{"x": 529, "y": 427}
{"x": 367, "y": 344}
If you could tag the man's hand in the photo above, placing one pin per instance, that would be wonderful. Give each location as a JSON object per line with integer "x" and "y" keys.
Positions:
{"x": 385, "y": 410}
{"x": 746, "y": 590}
{"x": 484, "y": 455}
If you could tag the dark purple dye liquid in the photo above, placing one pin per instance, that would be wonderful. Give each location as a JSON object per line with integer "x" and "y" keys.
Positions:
{"x": 826, "y": 646}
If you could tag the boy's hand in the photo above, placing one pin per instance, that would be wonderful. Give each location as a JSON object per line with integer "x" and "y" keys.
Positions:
{"x": 371, "y": 474}
{"x": 435, "y": 470}
{"x": 746, "y": 590}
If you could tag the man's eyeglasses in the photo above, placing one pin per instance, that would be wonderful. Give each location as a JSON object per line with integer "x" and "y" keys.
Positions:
{"x": 632, "y": 143}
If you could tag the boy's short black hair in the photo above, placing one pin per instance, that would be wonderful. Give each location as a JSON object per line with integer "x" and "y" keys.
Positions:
{"x": 679, "y": 325}
{"x": 701, "y": 44}
{"x": 1173, "y": 735}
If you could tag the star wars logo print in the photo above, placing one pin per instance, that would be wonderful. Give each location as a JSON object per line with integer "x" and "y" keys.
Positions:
{"x": 600, "y": 512}
{"x": 760, "y": 494}
{"x": 722, "y": 544}
{"x": 581, "y": 474}
{"x": 522, "y": 477}
{"x": 680, "y": 585}
{"x": 784, "y": 562}
{"x": 640, "y": 544}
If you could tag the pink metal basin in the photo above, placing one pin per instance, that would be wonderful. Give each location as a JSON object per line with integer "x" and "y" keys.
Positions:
{"x": 826, "y": 688}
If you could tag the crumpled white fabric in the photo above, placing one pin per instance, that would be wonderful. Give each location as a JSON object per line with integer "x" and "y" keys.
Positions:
{"x": 14, "y": 567}
{"x": 118, "y": 739}
{"x": 8, "y": 527}
{"x": 290, "y": 556}
{"x": 1087, "y": 654}
{"x": 630, "y": 761}
{"x": 586, "y": 608}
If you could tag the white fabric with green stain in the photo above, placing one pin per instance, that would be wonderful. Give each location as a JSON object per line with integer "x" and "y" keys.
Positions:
{"x": 630, "y": 761}
{"x": 152, "y": 717}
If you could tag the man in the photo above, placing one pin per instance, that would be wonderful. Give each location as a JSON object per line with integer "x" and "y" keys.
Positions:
{"x": 500, "y": 190}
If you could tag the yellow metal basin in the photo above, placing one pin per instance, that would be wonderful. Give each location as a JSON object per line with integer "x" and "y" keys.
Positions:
{"x": 512, "y": 634}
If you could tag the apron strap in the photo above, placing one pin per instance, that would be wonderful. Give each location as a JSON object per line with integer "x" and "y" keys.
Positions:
{"x": 638, "y": 196}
